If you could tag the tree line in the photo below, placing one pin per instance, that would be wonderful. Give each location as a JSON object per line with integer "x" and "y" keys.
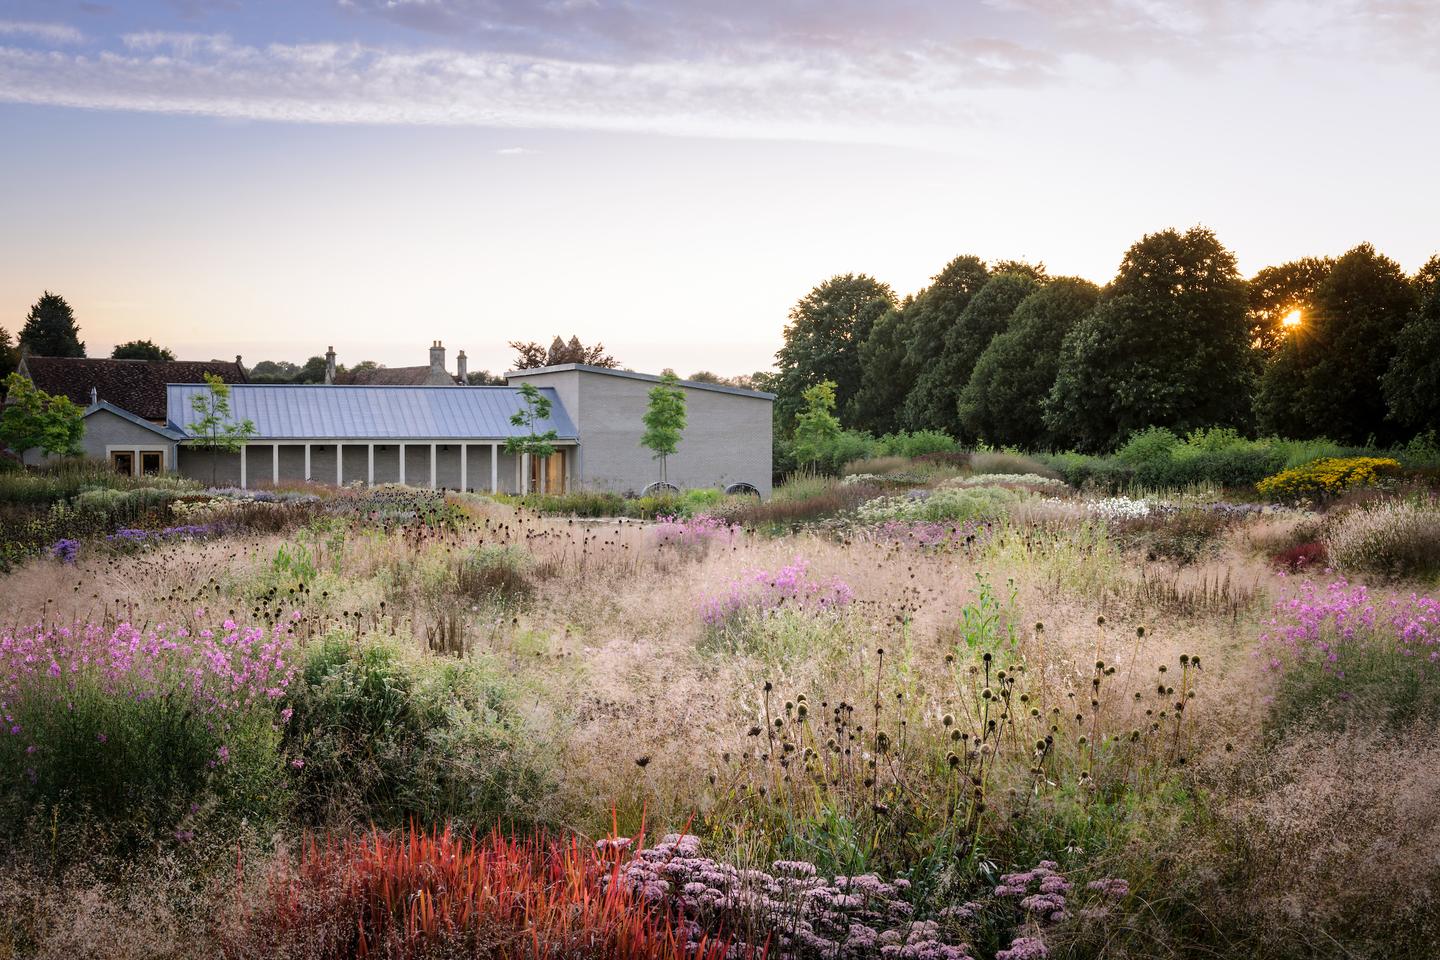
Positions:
{"x": 1005, "y": 354}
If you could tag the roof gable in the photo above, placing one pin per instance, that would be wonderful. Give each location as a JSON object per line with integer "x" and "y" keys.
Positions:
{"x": 134, "y": 385}
{"x": 320, "y": 412}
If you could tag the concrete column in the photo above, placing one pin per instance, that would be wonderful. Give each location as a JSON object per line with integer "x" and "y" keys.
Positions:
{"x": 401, "y": 456}
{"x": 274, "y": 464}
{"x": 494, "y": 468}
{"x": 370, "y": 464}
{"x": 524, "y": 485}
{"x": 339, "y": 465}
{"x": 307, "y": 463}
{"x": 243, "y": 447}
{"x": 540, "y": 467}
{"x": 464, "y": 466}
{"x": 432, "y": 466}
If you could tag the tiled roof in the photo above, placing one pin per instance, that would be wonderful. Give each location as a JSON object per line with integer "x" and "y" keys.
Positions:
{"x": 396, "y": 377}
{"x": 319, "y": 412}
{"x": 134, "y": 385}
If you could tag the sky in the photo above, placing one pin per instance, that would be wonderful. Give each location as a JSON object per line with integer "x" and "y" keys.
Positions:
{"x": 270, "y": 178}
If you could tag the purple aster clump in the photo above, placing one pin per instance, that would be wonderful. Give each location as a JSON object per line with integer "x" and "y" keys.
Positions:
{"x": 763, "y": 592}
{"x": 132, "y": 538}
{"x": 695, "y": 533}
{"x": 65, "y": 550}
{"x": 927, "y": 534}
{"x": 1330, "y": 625}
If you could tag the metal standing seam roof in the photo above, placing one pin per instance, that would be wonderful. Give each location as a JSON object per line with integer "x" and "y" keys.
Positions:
{"x": 336, "y": 412}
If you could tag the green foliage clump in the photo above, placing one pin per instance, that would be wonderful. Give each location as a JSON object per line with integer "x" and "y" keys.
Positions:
{"x": 823, "y": 341}
{"x": 35, "y": 420}
{"x": 915, "y": 444}
{"x": 382, "y": 734}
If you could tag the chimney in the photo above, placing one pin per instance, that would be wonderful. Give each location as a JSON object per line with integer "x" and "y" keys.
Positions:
{"x": 437, "y": 357}
{"x": 94, "y": 396}
{"x": 460, "y": 368}
{"x": 329, "y": 364}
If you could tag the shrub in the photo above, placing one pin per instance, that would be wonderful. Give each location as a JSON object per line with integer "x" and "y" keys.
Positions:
{"x": 138, "y": 730}
{"x": 1327, "y": 478}
{"x": 1393, "y": 538}
{"x": 917, "y": 444}
{"x": 695, "y": 534}
{"x": 382, "y": 734}
{"x": 1145, "y": 448}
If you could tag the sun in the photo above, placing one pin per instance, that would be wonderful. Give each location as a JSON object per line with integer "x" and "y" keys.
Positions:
{"x": 1291, "y": 319}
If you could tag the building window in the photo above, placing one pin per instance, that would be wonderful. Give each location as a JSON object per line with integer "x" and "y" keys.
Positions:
{"x": 123, "y": 461}
{"x": 152, "y": 463}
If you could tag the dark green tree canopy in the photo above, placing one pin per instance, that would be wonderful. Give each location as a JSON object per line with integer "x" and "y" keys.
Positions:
{"x": 823, "y": 338}
{"x": 1275, "y": 291}
{"x": 933, "y": 404}
{"x": 938, "y": 307}
{"x": 50, "y": 329}
{"x": 141, "y": 350}
{"x": 885, "y": 378}
{"x": 1325, "y": 379}
{"x": 1168, "y": 345}
{"x": 1412, "y": 384}
{"x": 9, "y": 357}
{"x": 1004, "y": 401}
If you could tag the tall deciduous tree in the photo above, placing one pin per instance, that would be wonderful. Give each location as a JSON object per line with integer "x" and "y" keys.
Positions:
{"x": 1275, "y": 291}
{"x": 532, "y": 354}
{"x": 141, "y": 350}
{"x": 933, "y": 404}
{"x": 33, "y": 419}
{"x": 50, "y": 329}
{"x": 823, "y": 339}
{"x": 885, "y": 374}
{"x": 214, "y": 427}
{"x": 1004, "y": 401}
{"x": 1324, "y": 381}
{"x": 664, "y": 420}
{"x": 928, "y": 320}
{"x": 1412, "y": 384}
{"x": 1168, "y": 345}
{"x": 9, "y": 358}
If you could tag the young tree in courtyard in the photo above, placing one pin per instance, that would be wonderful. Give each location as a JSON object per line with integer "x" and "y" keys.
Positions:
{"x": 33, "y": 419}
{"x": 664, "y": 420}
{"x": 214, "y": 428}
{"x": 535, "y": 409}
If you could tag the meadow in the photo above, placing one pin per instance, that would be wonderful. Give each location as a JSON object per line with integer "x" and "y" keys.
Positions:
{"x": 940, "y": 705}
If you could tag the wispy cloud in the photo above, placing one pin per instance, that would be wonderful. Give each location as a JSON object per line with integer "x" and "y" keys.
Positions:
{"x": 908, "y": 71}
{"x": 768, "y": 92}
{"x": 514, "y": 151}
{"x": 59, "y": 33}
